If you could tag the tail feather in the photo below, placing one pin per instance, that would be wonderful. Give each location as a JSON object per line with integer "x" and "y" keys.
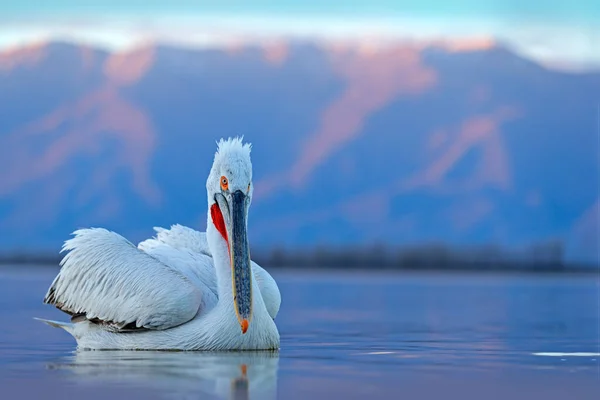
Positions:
{"x": 56, "y": 324}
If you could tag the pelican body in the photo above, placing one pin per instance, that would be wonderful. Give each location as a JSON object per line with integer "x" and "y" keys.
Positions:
{"x": 182, "y": 289}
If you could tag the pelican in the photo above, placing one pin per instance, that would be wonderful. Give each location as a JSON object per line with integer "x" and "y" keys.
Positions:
{"x": 182, "y": 289}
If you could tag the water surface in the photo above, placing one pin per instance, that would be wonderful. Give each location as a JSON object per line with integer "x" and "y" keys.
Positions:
{"x": 357, "y": 335}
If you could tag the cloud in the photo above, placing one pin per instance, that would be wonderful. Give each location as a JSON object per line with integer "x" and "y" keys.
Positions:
{"x": 569, "y": 45}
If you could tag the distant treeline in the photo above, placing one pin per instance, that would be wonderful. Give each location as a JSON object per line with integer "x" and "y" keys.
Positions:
{"x": 30, "y": 258}
{"x": 547, "y": 256}
{"x": 540, "y": 257}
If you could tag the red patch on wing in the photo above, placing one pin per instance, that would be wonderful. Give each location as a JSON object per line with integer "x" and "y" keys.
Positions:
{"x": 218, "y": 221}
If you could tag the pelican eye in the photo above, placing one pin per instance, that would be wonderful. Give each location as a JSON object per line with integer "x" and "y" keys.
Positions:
{"x": 224, "y": 183}
{"x": 248, "y": 190}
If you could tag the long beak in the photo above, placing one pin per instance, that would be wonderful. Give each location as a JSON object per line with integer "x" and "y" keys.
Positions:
{"x": 239, "y": 253}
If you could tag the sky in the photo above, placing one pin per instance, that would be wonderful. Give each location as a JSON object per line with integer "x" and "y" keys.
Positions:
{"x": 564, "y": 34}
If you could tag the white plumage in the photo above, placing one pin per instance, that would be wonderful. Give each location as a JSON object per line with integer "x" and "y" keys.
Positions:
{"x": 183, "y": 289}
{"x": 109, "y": 279}
{"x": 194, "y": 244}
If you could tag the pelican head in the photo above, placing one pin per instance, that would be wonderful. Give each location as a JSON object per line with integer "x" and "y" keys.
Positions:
{"x": 229, "y": 188}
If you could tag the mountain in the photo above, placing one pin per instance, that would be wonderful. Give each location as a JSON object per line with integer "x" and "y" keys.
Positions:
{"x": 455, "y": 142}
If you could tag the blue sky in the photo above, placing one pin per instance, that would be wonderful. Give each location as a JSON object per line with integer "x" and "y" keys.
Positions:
{"x": 555, "y": 32}
{"x": 579, "y": 10}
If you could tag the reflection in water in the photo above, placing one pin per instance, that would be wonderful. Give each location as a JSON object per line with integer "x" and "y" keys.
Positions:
{"x": 230, "y": 375}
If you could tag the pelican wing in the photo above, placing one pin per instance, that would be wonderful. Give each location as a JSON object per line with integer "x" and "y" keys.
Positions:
{"x": 107, "y": 279}
{"x": 179, "y": 237}
{"x": 198, "y": 267}
{"x": 187, "y": 239}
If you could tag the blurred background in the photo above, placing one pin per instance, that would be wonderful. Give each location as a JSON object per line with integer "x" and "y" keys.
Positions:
{"x": 430, "y": 135}
{"x": 385, "y": 133}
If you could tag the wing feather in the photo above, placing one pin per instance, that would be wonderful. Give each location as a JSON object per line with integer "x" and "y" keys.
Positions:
{"x": 106, "y": 278}
{"x": 195, "y": 245}
{"x": 179, "y": 237}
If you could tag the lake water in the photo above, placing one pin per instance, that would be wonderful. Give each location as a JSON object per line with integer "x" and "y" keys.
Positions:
{"x": 356, "y": 335}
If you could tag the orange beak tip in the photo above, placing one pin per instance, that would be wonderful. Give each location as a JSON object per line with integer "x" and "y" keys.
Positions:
{"x": 244, "y": 325}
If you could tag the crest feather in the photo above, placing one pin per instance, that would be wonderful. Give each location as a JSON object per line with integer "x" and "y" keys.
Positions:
{"x": 233, "y": 147}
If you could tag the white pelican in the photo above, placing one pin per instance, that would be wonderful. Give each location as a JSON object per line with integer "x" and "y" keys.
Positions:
{"x": 182, "y": 290}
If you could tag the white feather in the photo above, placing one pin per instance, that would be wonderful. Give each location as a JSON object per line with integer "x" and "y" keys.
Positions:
{"x": 190, "y": 241}
{"x": 179, "y": 237}
{"x": 106, "y": 277}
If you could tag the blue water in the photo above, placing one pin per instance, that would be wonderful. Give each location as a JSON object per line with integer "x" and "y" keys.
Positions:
{"x": 357, "y": 335}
